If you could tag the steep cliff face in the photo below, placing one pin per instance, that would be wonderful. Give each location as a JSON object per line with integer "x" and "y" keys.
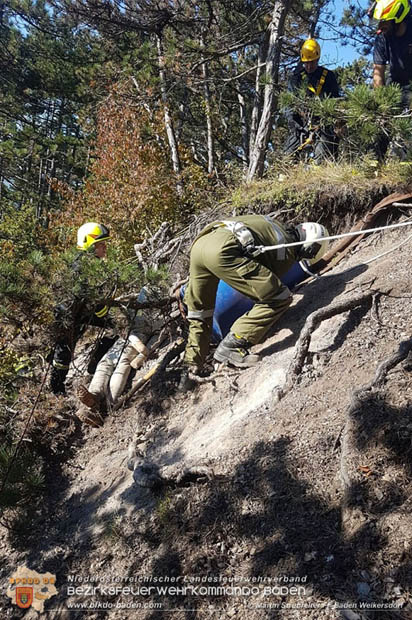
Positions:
{"x": 306, "y": 487}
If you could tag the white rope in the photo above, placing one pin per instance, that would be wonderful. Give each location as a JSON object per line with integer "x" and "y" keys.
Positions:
{"x": 366, "y": 262}
{"x": 266, "y": 248}
{"x": 395, "y": 247}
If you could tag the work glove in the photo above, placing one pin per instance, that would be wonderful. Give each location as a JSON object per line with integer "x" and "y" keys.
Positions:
{"x": 56, "y": 384}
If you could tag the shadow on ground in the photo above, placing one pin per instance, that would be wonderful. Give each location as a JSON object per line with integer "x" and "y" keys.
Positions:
{"x": 286, "y": 528}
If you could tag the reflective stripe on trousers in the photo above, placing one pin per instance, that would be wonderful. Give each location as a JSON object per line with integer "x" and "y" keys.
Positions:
{"x": 200, "y": 314}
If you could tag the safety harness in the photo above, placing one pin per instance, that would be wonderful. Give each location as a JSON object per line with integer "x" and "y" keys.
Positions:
{"x": 316, "y": 91}
{"x": 246, "y": 240}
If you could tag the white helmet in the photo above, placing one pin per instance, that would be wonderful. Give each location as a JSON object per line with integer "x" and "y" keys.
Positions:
{"x": 310, "y": 232}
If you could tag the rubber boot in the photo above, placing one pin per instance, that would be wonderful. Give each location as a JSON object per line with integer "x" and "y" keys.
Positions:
{"x": 235, "y": 351}
{"x": 90, "y": 413}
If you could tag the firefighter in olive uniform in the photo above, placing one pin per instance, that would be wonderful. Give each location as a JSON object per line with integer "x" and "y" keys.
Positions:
{"x": 228, "y": 250}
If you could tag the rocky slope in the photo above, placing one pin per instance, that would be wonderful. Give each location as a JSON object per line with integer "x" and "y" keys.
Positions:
{"x": 305, "y": 510}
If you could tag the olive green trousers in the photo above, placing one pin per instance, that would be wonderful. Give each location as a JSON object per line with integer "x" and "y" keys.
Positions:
{"x": 217, "y": 256}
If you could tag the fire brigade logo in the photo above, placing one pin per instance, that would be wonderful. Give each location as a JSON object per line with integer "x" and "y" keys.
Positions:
{"x": 27, "y": 588}
{"x": 24, "y": 597}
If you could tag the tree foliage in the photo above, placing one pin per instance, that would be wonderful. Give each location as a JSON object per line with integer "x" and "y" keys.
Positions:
{"x": 130, "y": 183}
{"x": 136, "y": 113}
{"x": 363, "y": 114}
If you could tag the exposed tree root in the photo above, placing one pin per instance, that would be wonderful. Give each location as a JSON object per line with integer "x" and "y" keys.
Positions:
{"x": 341, "y": 248}
{"x": 173, "y": 351}
{"x": 349, "y": 460}
{"x": 312, "y": 322}
{"x": 222, "y": 371}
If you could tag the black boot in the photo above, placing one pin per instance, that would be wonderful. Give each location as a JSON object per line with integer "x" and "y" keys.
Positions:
{"x": 57, "y": 378}
{"x": 235, "y": 351}
{"x": 186, "y": 384}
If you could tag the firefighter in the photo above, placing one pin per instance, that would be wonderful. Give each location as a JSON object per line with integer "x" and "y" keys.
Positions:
{"x": 113, "y": 370}
{"x": 72, "y": 318}
{"x": 320, "y": 82}
{"x": 227, "y": 250}
{"x": 393, "y": 47}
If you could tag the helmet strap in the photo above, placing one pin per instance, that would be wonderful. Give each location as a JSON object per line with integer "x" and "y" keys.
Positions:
{"x": 311, "y": 251}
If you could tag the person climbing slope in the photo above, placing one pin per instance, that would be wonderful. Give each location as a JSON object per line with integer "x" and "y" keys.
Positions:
{"x": 227, "y": 250}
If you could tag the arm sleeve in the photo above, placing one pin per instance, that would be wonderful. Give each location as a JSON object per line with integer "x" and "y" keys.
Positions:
{"x": 293, "y": 85}
{"x": 101, "y": 317}
{"x": 332, "y": 85}
{"x": 294, "y": 81}
{"x": 380, "y": 53}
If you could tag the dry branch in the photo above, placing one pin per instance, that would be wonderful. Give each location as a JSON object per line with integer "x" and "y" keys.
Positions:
{"x": 149, "y": 475}
{"x": 171, "y": 353}
{"x": 222, "y": 371}
{"x": 130, "y": 300}
{"x": 161, "y": 247}
{"x": 157, "y": 249}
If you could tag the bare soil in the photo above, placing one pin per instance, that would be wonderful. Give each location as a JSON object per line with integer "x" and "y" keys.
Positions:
{"x": 274, "y": 518}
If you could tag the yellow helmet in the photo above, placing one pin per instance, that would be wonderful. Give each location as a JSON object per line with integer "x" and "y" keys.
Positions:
{"x": 310, "y": 50}
{"x": 385, "y": 10}
{"x": 91, "y": 233}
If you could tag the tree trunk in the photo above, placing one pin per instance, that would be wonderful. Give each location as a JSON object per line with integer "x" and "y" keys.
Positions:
{"x": 257, "y": 101}
{"x": 315, "y": 17}
{"x": 243, "y": 128}
{"x": 276, "y": 29}
{"x": 182, "y": 113}
{"x": 168, "y": 117}
{"x": 208, "y": 107}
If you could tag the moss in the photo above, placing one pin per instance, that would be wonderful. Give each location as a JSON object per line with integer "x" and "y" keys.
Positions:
{"x": 334, "y": 193}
